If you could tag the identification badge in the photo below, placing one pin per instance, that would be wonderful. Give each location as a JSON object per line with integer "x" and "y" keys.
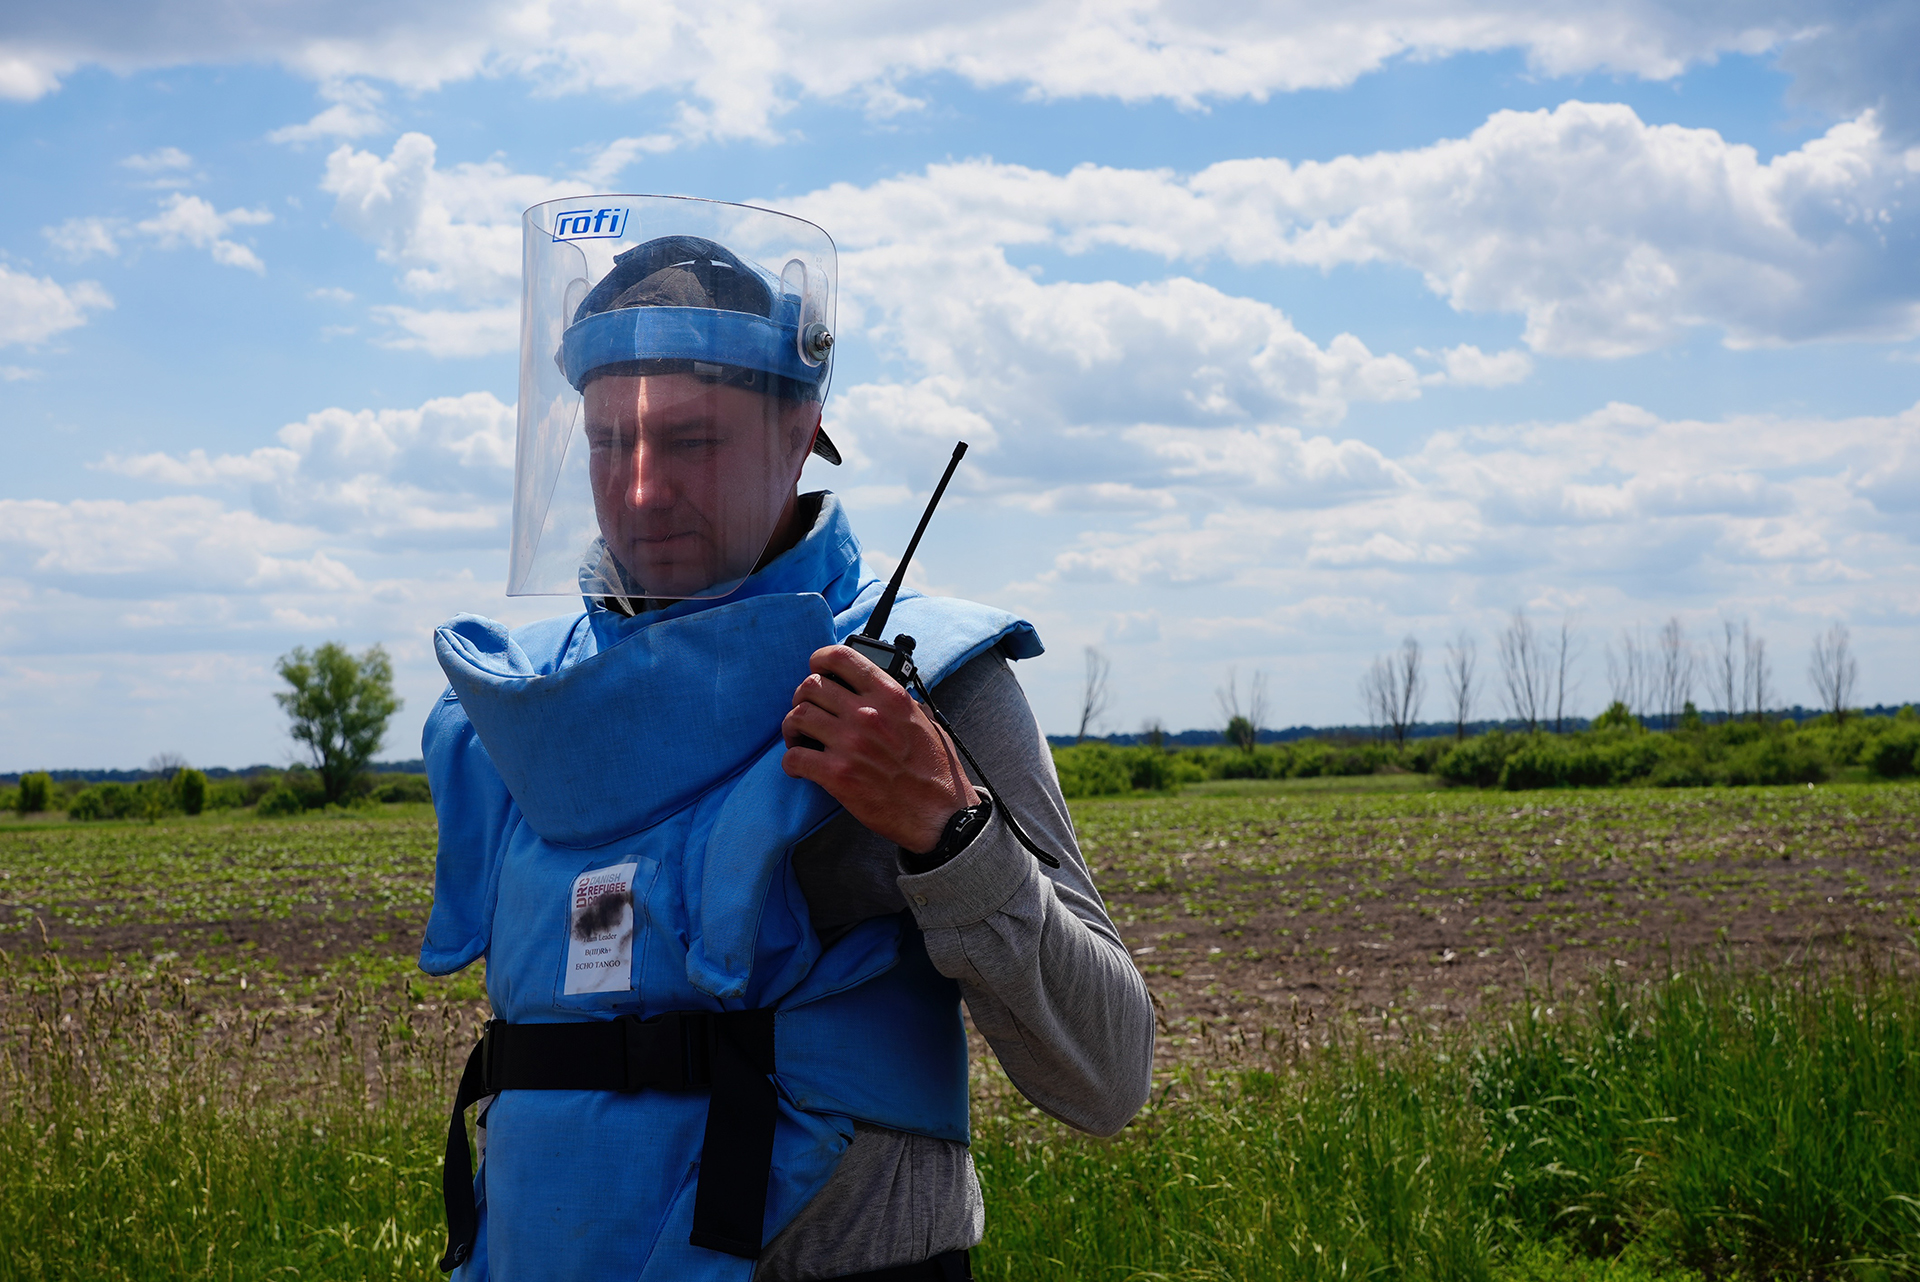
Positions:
{"x": 600, "y": 933}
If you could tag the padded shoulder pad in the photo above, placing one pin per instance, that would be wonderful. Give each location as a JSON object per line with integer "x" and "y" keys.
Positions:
{"x": 948, "y": 632}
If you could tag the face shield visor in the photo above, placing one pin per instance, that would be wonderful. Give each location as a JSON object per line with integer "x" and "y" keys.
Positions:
{"x": 674, "y": 360}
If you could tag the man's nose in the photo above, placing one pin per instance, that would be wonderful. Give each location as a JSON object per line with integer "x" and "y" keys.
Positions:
{"x": 649, "y": 480}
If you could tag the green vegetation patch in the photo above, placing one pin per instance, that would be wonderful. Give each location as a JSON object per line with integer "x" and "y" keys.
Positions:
{"x": 1618, "y": 751}
{"x": 1697, "y": 1126}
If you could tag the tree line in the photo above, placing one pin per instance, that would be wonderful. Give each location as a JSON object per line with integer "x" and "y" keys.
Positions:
{"x": 1653, "y": 679}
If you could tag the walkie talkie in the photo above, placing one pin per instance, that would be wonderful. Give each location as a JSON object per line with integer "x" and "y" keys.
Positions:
{"x": 895, "y": 658}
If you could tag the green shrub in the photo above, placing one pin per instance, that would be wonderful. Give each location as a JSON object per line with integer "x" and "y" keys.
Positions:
{"x": 399, "y": 788}
{"x": 1682, "y": 770}
{"x": 281, "y": 800}
{"x": 106, "y": 801}
{"x": 1421, "y": 755}
{"x": 148, "y": 800}
{"x": 1477, "y": 762}
{"x": 226, "y": 794}
{"x": 1249, "y": 763}
{"x": 306, "y": 785}
{"x": 1775, "y": 759}
{"x": 35, "y": 793}
{"x": 190, "y": 787}
{"x": 1892, "y": 753}
{"x": 1616, "y": 717}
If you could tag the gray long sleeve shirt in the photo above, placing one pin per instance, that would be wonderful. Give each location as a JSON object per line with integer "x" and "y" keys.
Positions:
{"x": 1042, "y": 970}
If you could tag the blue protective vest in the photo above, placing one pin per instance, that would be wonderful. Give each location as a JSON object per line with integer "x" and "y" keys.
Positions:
{"x": 580, "y": 750}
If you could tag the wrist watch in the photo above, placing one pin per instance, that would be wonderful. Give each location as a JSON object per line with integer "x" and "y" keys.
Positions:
{"x": 966, "y": 824}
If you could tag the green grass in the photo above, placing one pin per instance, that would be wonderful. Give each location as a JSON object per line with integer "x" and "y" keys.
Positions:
{"x": 1396, "y": 782}
{"x": 140, "y": 1142}
{"x": 1702, "y": 1125}
{"x": 1756, "y": 1128}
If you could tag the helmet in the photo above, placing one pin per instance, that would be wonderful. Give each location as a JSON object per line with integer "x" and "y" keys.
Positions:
{"x": 675, "y": 360}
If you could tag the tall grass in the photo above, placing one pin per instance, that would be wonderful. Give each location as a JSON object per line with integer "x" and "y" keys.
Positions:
{"x": 1749, "y": 1127}
{"x": 1755, "y": 1127}
{"x": 1729, "y": 1126}
{"x": 138, "y": 1142}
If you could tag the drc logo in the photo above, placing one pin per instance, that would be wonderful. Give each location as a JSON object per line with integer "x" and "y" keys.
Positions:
{"x": 589, "y": 224}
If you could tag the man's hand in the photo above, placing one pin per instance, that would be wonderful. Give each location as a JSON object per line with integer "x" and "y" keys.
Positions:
{"x": 881, "y": 758}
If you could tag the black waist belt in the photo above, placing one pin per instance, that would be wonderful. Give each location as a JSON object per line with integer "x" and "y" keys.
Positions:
{"x": 729, "y": 1052}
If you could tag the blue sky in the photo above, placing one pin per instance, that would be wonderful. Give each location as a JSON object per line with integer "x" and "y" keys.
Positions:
{"x": 1279, "y": 334}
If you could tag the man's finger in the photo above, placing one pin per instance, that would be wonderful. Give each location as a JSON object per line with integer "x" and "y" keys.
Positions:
{"x": 852, "y": 667}
{"x": 810, "y": 721}
{"x": 823, "y": 692}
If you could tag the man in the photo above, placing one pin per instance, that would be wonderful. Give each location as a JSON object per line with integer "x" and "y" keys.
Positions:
{"x": 731, "y": 881}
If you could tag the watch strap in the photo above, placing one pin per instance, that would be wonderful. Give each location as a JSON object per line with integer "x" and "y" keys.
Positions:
{"x": 965, "y": 824}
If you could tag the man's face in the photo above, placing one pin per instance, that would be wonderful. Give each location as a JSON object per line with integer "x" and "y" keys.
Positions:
{"x": 690, "y": 478}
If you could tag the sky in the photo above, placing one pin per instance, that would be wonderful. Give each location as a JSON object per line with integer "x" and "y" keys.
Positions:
{"x": 1279, "y": 332}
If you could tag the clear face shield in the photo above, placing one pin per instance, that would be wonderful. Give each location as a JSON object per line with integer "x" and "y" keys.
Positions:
{"x": 674, "y": 361}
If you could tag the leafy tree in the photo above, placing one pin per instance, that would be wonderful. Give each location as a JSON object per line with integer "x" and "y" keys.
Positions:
{"x": 339, "y": 706}
{"x": 191, "y": 787}
{"x": 1242, "y": 733}
{"x": 36, "y": 793}
{"x": 1243, "y": 724}
{"x": 1616, "y": 717}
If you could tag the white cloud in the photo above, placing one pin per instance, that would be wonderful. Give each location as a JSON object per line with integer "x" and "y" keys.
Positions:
{"x": 164, "y": 167}
{"x": 354, "y": 114}
{"x": 736, "y": 67}
{"x": 79, "y": 239}
{"x": 482, "y": 332}
{"x": 1468, "y": 366}
{"x": 331, "y": 294}
{"x": 455, "y": 231}
{"x": 26, "y": 75}
{"x": 180, "y": 543}
{"x": 434, "y": 476}
{"x": 1620, "y": 510}
{"x": 164, "y": 160}
{"x": 179, "y": 220}
{"x": 35, "y": 308}
{"x": 189, "y": 220}
{"x": 1609, "y": 235}
{"x": 17, "y": 374}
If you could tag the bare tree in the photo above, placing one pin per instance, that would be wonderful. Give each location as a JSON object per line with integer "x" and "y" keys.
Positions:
{"x": 1376, "y": 691}
{"x": 166, "y": 764}
{"x": 1460, "y": 682}
{"x": 1629, "y": 672}
{"x": 1523, "y": 671}
{"x": 1095, "y": 696}
{"x": 1756, "y": 673}
{"x": 1394, "y": 688}
{"x": 1243, "y": 723}
{"x": 1726, "y": 668}
{"x": 1678, "y": 665}
{"x": 1568, "y": 646}
{"x": 1834, "y": 670}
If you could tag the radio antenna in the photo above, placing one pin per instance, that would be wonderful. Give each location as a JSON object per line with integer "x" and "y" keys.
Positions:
{"x": 878, "y": 619}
